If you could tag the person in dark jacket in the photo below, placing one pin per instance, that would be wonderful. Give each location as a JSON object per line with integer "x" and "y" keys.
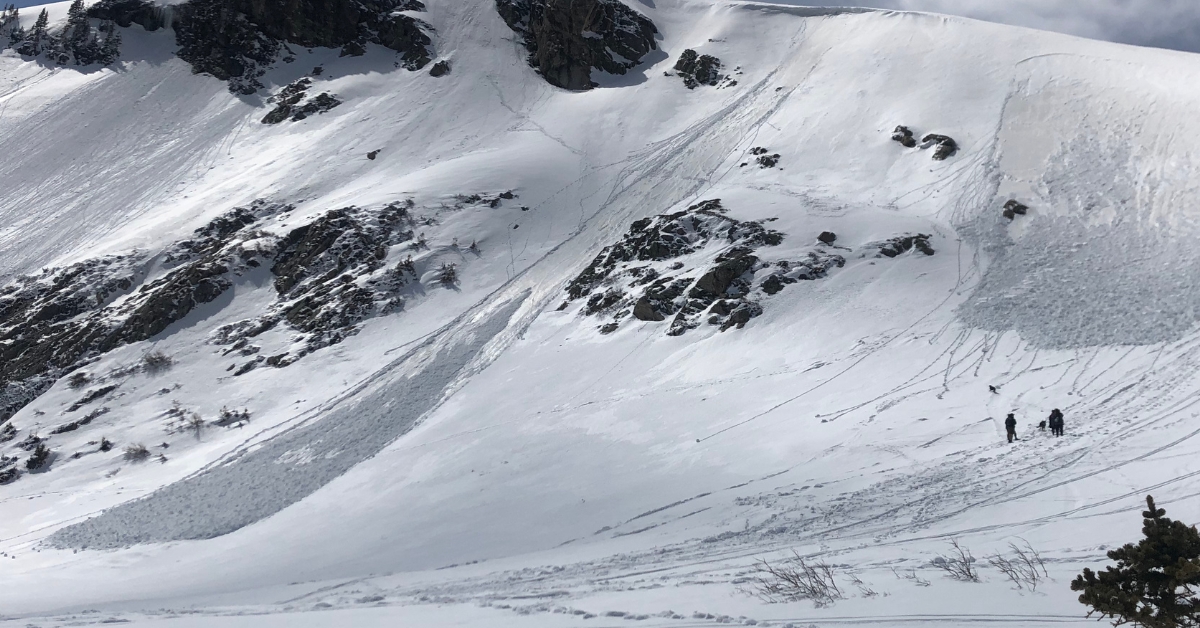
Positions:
{"x": 1056, "y": 422}
{"x": 1010, "y": 425}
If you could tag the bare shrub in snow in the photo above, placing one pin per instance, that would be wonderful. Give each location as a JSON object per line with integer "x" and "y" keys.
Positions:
{"x": 1025, "y": 568}
{"x": 157, "y": 362}
{"x": 195, "y": 424}
{"x": 136, "y": 452}
{"x": 864, "y": 589}
{"x": 795, "y": 579}
{"x": 180, "y": 419}
{"x": 912, "y": 577}
{"x": 960, "y": 564}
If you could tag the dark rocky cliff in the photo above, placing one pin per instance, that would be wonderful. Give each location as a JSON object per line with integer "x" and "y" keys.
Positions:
{"x": 567, "y": 39}
{"x": 236, "y": 40}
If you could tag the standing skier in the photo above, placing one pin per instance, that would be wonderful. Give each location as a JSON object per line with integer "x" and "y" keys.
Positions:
{"x": 1010, "y": 425}
{"x": 1056, "y": 422}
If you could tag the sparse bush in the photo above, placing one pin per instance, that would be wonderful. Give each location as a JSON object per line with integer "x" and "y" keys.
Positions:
{"x": 795, "y": 579}
{"x": 229, "y": 417}
{"x": 1026, "y": 569}
{"x": 960, "y": 564}
{"x": 1155, "y": 582}
{"x": 38, "y": 458}
{"x": 180, "y": 419}
{"x": 157, "y": 363}
{"x": 136, "y": 452}
{"x": 78, "y": 379}
{"x": 195, "y": 424}
{"x": 448, "y": 275}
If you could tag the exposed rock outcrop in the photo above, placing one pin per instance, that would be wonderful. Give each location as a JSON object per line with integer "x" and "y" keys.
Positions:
{"x": 905, "y": 243}
{"x": 945, "y": 146}
{"x": 1014, "y": 208}
{"x": 691, "y": 266}
{"x": 697, "y": 69}
{"x": 568, "y": 39}
{"x": 904, "y": 135}
{"x": 236, "y": 40}
{"x": 126, "y": 13}
{"x": 53, "y": 322}
{"x": 764, "y": 158}
{"x": 292, "y": 103}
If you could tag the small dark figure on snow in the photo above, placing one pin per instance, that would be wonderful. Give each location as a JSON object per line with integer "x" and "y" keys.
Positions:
{"x": 1010, "y": 425}
{"x": 1042, "y": 426}
{"x": 995, "y": 391}
{"x": 1056, "y": 422}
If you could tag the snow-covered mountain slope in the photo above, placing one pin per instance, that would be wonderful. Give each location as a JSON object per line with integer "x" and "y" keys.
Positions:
{"x": 556, "y": 431}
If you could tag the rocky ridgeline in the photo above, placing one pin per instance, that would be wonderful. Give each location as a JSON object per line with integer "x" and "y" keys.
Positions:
{"x": 348, "y": 266}
{"x": 329, "y": 276}
{"x": 38, "y": 314}
{"x": 61, "y": 319}
{"x": 568, "y": 39}
{"x": 238, "y": 40}
{"x": 293, "y": 103}
{"x": 694, "y": 266}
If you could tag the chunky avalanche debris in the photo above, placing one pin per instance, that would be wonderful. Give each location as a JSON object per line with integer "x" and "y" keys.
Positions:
{"x": 692, "y": 266}
{"x": 237, "y": 40}
{"x": 697, "y": 69}
{"x": 292, "y": 103}
{"x": 568, "y": 39}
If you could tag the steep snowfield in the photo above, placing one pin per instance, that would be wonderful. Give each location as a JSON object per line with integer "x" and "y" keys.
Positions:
{"x": 483, "y": 458}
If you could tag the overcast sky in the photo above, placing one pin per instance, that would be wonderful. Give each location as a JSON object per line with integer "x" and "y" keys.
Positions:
{"x": 1162, "y": 23}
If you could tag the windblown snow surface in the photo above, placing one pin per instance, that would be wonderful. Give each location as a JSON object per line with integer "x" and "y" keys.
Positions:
{"x": 483, "y": 458}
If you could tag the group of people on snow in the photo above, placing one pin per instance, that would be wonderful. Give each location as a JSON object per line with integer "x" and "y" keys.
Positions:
{"x": 1055, "y": 422}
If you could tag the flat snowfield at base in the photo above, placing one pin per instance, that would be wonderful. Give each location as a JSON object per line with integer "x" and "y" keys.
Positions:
{"x": 493, "y": 452}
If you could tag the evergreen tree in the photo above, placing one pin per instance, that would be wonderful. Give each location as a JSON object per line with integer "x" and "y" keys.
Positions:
{"x": 38, "y": 458}
{"x": 77, "y": 37}
{"x": 8, "y": 15}
{"x": 34, "y": 41}
{"x": 10, "y": 19}
{"x": 1155, "y": 582}
{"x": 110, "y": 50}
